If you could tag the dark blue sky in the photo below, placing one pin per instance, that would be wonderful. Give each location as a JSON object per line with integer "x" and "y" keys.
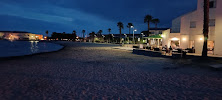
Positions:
{"x": 92, "y": 15}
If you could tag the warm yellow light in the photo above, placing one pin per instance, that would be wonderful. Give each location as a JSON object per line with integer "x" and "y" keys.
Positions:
{"x": 174, "y": 39}
{"x": 201, "y": 39}
{"x": 184, "y": 39}
{"x": 162, "y": 35}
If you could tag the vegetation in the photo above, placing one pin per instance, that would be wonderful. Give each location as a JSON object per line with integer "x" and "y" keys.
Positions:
{"x": 148, "y": 19}
{"x": 83, "y": 33}
{"x": 130, "y": 25}
{"x": 61, "y": 36}
{"x": 156, "y": 21}
{"x": 47, "y": 33}
{"x": 109, "y": 36}
{"x": 92, "y": 36}
{"x": 120, "y": 25}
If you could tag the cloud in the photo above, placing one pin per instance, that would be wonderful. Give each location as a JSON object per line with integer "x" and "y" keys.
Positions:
{"x": 55, "y": 14}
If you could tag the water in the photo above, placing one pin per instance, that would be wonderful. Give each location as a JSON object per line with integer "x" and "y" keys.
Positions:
{"x": 20, "y": 48}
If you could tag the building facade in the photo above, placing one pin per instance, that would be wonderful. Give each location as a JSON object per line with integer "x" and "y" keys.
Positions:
{"x": 19, "y": 35}
{"x": 187, "y": 30}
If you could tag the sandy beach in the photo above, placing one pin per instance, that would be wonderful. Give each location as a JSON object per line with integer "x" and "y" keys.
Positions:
{"x": 97, "y": 71}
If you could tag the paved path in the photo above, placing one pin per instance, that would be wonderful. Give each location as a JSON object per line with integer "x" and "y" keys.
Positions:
{"x": 96, "y": 71}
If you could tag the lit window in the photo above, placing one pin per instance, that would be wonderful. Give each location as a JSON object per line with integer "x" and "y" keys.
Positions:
{"x": 212, "y": 22}
{"x": 192, "y": 24}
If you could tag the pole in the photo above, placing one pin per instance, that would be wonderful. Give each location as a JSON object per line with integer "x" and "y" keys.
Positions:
{"x": 133, "y": 37}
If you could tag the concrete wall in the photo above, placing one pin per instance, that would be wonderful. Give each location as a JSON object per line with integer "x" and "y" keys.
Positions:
{"x": 176, "y": 25}
{"x": 196, "y": 34}
{"x": 167, "y": 37}
{"x": 218, "y": 29}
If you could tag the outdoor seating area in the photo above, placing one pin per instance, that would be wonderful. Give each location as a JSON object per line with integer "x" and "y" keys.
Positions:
{"x": 162, "y": 52}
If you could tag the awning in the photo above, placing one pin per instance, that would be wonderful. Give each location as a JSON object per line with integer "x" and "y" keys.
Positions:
{"x": 154, "y": 37}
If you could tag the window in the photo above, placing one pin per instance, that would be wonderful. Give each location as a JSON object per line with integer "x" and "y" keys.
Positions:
{"x": 213, "y": 4}
{"x": 193, "y": 24}
{"x": 212, "y": 22}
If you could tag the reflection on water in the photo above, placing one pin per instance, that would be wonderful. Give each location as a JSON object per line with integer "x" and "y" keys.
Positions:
{"x": 19, "y": 48}
{"x": 34, "y": 46}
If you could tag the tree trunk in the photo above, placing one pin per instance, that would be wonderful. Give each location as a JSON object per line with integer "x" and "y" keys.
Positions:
{"x": 129, "y": 35}
{"x": 148, "y": 29}
{"x": 205, "y": 27}
{"x": 120, "y": 36}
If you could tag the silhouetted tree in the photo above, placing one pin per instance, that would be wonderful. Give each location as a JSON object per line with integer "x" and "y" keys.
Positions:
{"x": 130, "y": 25}
{"x": 156, "y": 21}
{"x": 83, "y": 33}
{"x": 47, "y": 32}
{"x": 120, "y": 25}
{"x": 205, "y": 27}
{"x": 148, "y": 19}
{"x": 92, "y": 36}
{"x": 109, "y": 30}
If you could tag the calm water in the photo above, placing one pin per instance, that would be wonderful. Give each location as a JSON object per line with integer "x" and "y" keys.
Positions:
{"x": 19, "y": 48}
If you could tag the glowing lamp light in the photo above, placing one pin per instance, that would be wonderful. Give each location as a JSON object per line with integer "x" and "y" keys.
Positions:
{"x": 201, "y": 39}
{"x": 174, "y": 39}
{"x": 162, "y": 35}
{"x": 184, "y": 39}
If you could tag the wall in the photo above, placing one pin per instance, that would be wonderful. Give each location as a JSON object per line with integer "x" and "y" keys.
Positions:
{"x": 176, "y": 25}
{"x": 218, "y": 29}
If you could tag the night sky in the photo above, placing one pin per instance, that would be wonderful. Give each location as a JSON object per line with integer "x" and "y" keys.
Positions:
{"x": 92, "y": 15}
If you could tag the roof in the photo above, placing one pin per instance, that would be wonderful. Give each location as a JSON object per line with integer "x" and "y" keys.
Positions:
{"x": 155, "y": 37}
{"x": 159, "y": 28}
{"x": 15, "y": 31}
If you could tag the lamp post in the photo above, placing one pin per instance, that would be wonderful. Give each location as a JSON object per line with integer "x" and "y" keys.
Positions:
{"x": 112, "y": 37}
{"x": 129, "y": 35}
{"x": 142, "y": 37}
{"x": 133, "y": 36}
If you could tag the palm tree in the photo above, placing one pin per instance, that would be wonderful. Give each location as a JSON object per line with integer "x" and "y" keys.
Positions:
{"x": 109, "y": 30}
{"x": 156, "y": 21}
{"x": 92, "y": 35}
{"x": 47, "y": 32}
{"x": 100, "y": 32}
{"x": 73, "y": 32}
{"x": 130, "y": 25}
{"x": 148, "y": 19}
{"x": 120, "y": 25}
{"x": 205, "y": 27}
{"x": 83, "y": 34}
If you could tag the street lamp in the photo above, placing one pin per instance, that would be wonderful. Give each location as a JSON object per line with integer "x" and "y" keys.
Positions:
{"x": 133, "y": 36}
{"x": 129, "y": 35}
{"x": 142, "y": 37}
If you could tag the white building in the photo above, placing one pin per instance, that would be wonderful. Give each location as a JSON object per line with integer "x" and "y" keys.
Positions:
{"x": 187, "y": 30}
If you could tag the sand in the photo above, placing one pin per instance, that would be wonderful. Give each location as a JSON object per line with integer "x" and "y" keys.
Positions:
{"x": 97, "y": 71}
